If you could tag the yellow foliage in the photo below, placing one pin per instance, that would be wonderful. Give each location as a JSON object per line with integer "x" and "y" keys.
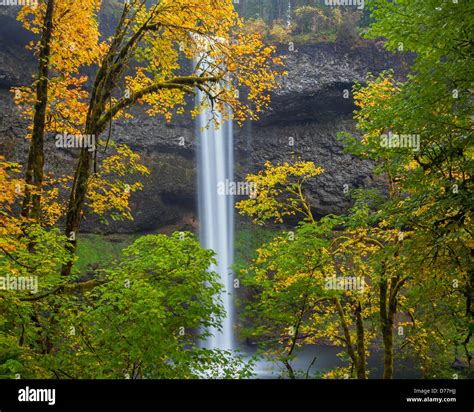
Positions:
{"x": 110, "y": 189}
{"x": 279, "y": 192}
{"x": 11, "y": 190}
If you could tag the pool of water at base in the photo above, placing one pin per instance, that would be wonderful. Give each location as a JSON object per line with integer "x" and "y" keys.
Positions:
{"x": 325, "y": 359}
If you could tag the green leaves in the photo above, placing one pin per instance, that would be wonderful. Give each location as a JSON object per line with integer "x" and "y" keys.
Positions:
{"x": 144, "y": 318}
{"x": 430, "y": 188}
{"x": 149, "y": 315}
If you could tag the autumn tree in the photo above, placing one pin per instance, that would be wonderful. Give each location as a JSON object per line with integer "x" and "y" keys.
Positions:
{"x": 299, "y": 279}
{"x": 430, "y": 178}
{"x": 34, "y": 168}
{"x": 161, "y": 52}
{"x": 53, "y": 102}
{"x": 141, "y": 64}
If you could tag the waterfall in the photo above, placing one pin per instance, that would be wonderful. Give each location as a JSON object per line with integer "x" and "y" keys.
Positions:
{"x": 216, "y": 211}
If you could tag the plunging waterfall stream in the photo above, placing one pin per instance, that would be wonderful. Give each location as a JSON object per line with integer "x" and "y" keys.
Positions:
{"x": 216, "y": 212}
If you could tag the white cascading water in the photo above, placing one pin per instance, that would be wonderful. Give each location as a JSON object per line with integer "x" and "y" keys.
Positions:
{"x": 216, "y": 212}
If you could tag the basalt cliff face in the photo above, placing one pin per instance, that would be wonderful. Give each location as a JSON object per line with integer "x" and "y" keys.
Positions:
{"x": 301, "y": 123}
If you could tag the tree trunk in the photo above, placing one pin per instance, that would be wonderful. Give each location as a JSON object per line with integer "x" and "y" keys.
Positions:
{"x": 386, "y": 320}
{"x": 34, "y": 170}
{"x": 76, "y": 200}
{"x": 347, "y": 335}
{"x": 106, "y": 80}
{"x": 361, "y": 373}
{"x": 388, "y": 348}
{"x": 291, "y": 372}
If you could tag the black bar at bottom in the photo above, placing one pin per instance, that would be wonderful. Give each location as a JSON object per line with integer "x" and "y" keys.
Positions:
{"x": 433, "y": 395}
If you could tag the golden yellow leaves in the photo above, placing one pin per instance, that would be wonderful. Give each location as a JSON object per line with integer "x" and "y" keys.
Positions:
{"x": 376, "y": 94}
{"x": 74, "y": 44}
{"x": 177, "y": 29}
{"x": 376, "y": 90}
{"x": 11, "y": 189}
{"x": 53, "y": 205}
{"x": 412, "y": 165}
{"x": 279, "y": 192}
{"x": 256, "y": 72}
{"x": 75, "y": 40}
{"x": 67, "y": 104}
{"x": 109, "y": 190}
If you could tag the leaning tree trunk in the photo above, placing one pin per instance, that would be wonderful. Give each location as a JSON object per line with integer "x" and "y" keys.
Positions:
{"x": 347, "y": 335}
{"x": 105, "y": 81}
{"x": 34, "y": 170}
{"x": 76, "y": 200}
